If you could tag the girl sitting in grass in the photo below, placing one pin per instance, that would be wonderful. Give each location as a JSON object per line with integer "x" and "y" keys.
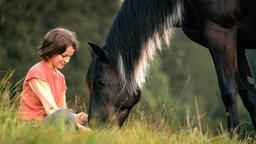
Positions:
{"x": 43, "y": 96}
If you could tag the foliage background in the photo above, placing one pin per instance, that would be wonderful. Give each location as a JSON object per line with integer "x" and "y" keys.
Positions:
{"x": 182, "y": 75}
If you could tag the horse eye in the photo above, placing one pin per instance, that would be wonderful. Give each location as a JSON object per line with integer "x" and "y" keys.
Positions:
{"x": 101, "y": 83}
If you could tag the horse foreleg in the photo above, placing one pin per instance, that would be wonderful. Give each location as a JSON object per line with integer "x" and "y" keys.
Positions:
{"x": 246, "y": 85}
{"x": 222, "y": 45}
{"x": 228, "y": 87}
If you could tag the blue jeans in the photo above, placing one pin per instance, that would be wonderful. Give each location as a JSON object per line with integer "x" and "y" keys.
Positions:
{"x": 64, "y": 114}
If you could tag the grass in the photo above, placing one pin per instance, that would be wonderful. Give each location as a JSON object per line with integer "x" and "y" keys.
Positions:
{"x": 160, "y": 127}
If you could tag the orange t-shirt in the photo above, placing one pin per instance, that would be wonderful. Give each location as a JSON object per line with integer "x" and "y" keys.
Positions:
{"x": 31, "y": 107}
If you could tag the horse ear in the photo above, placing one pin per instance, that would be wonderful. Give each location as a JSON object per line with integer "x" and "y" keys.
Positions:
{"x": 90, "y": 49}
{"x": 96, "y": 50}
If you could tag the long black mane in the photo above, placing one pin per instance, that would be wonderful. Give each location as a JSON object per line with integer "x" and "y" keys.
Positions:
{"x": 140, "y": 27}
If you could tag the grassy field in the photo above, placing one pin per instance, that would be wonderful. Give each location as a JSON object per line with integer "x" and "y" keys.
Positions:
{"x": 157, "y": 128}
{"x": 135, "y": 132}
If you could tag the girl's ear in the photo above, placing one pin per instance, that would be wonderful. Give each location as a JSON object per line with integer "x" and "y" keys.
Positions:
{"x": 95, "y": 50}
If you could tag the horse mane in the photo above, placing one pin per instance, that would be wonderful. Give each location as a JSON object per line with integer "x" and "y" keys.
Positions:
{"x": 140, "y": 27}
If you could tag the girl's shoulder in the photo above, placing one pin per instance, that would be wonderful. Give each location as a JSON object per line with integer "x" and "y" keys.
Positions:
{"x": 60, "y": 73}
{"x": 37, "y": 71}
{"x": 38, "y": 67}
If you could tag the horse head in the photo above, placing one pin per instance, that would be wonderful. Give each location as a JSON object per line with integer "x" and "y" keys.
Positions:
{"x": 110, "y": 100}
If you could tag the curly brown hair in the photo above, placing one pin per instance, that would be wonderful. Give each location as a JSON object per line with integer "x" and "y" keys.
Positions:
{"x": 55, "y": 42}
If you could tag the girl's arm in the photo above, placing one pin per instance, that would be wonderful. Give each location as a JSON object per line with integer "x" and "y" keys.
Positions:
{"x": 43, "y": 92}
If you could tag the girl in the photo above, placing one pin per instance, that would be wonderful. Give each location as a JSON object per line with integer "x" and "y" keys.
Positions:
{"x": 43, "y": 95}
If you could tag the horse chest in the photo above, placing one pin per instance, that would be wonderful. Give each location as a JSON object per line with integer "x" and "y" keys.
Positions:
{"x": 223, "y": 12}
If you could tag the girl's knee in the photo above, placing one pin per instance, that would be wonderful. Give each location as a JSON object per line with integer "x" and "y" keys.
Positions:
{"x": 64, "y": 114}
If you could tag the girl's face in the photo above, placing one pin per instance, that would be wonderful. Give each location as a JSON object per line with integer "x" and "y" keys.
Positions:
{"x": 60, "y": 60}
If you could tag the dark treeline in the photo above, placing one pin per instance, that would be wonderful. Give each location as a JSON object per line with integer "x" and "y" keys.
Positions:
{"x": 179, "y": 74}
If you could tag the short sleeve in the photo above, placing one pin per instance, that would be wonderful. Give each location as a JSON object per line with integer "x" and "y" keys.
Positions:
{"x": 64, "y": 83}
{"x": 35, "y": 73}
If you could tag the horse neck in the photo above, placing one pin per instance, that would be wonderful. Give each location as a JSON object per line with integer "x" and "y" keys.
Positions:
{"x": 140, "y": 28}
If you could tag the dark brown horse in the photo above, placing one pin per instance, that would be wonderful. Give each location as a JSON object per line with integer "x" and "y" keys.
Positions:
{"x": 117, "y": 71}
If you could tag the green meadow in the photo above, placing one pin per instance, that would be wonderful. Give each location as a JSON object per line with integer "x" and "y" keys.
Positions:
{"x": 159, "y": 127}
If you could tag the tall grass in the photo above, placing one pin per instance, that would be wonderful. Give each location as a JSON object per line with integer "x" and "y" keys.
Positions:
{"x": 158, "y": 127}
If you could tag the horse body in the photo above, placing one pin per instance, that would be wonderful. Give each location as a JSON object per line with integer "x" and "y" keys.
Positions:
{"x": 226, "y": 29}
{"x": 117, "y": 71}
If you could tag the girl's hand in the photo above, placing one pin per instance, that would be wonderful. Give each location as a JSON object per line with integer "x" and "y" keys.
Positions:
{"x": 81, "y": 117}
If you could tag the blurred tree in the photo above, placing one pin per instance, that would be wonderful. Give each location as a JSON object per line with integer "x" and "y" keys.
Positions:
{"x": 23, "y": 24}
